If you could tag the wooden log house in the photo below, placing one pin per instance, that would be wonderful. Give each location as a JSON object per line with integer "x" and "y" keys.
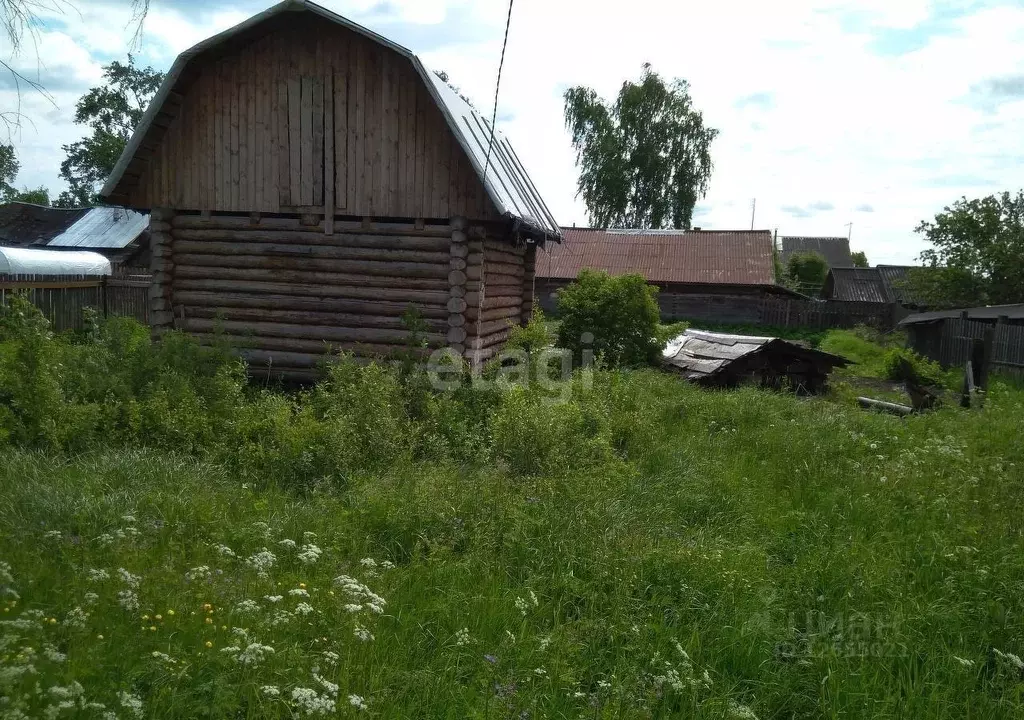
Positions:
{"x": 309, "y": 181}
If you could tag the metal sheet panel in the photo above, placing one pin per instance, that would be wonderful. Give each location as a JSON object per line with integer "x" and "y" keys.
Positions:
{"x": 25, "y": 261}
{"x": 103, "y": 227}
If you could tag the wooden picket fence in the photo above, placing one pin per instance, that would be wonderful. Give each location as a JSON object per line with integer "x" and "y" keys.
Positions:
{"x": 63, "y": 298}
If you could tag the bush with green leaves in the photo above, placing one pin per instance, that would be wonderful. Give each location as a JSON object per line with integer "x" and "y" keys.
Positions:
{"x": 902, "y": 365}
{"x": 614, "y": 317}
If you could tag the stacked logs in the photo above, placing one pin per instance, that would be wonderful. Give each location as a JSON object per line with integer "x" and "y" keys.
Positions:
{"x": 286, "y": 293}
{"x": 458, "y": 264}
{"x": 499, "y": 304}
{"x": 161, "y": 317}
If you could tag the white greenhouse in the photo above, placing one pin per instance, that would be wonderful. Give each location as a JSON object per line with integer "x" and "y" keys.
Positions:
{"x": 24, "y": 261}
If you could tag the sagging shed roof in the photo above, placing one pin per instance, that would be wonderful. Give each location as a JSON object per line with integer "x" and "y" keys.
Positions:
{"x": 881, "y": 284}
{"x": 25, "y": 224}
{"x": 506, "y": 181}
{"x": 835, "y": 250}
{"x": 702, "y": 356}
{"x": 664, "y": 256}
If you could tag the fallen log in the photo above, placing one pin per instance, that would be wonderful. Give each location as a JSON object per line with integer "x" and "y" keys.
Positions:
{"x": 889, "y": 407}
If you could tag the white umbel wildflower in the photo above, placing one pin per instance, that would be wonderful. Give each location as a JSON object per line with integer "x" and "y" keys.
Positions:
{"x": 329, "y": 687}
{"x": 310, "y": 702}
{"x": 362, "y": 633}
{"x": 309, "y": 554}
{"x": 91, "y": 598}
{"x": 5, "y": 573}
{"x": 304, "y": 608}
{"x": 358, "y": 591}
{"x": 224, "y": 551}
{"x": 331, "y": 658}
{"x": 247, "y": 606}
{"x": 128, "y": 579}
{"x": 740, "y": 712}
{"x": 964, "y": 661}
{"x": 462, "y": 637}
{"x": 76, "y": 619}
{"x": 298, "y": 592}
{"x": 128, "y": 600}
{"x": 131, "y": 703}
{"x": 52, "y": 535}
{"x": 270, "y": 691}
{"x": 357, "y": 701}
{"x": 53, "y": 655}
{"x": 287, "y": 543}
{"x": 261, "y": 562}
{"x": 251, "y": 656}
{"x": 95, "y": 575}
{"x": 273, "y": 598}
{"x": 202, "y": 572}
{"x": 353, "y": 608}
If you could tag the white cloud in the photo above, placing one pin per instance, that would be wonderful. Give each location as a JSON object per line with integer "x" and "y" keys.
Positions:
{"x": 839, "y": 124}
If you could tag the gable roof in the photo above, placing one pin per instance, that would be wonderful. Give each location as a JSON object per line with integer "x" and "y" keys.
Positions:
{"x": 663, "y": 256}
{"x": 25, "y": 225}
{"x": 835, "y": 250}
{"x": 506, "y": 182}
{"x": 881, "y": 284}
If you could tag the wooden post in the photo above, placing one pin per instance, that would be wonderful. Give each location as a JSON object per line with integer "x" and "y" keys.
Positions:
{"x": 456, "y": 337}
{"x": 161, "y": 315}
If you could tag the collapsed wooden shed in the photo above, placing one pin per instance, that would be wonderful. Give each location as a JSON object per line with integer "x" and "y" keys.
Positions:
{"x": 721, "y": 360}
{"x": 309, "y": 181}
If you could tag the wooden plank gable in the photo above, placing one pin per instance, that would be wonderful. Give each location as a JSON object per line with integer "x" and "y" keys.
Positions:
{"x": 251, "y": 134}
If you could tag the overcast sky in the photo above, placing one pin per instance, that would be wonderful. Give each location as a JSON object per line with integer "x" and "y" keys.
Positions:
{"x": 875, "y": 112}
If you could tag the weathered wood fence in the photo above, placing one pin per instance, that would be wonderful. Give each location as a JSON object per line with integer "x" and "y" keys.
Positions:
{"x": 63, "y": 298}
{"x": 951, "y": 343}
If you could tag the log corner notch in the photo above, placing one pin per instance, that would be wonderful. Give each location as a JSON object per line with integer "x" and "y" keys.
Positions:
{"x": 457, "y": 279}
{"x": 161, "y": 312}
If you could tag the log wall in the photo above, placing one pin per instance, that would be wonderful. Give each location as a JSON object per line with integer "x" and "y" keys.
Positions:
{"x": 285, "y": 294}
{"x": 303, "y": 116}
{"x": 503, "y": 297}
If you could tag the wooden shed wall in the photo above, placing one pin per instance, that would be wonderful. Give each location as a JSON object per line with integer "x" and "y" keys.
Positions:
{"x": 306, "y": 117}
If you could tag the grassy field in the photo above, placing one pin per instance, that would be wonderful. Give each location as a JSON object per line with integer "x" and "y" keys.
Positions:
{"x": 637, "y": 549}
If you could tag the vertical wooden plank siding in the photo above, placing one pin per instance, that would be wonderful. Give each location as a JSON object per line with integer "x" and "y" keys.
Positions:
{"x": 251, "y": 134}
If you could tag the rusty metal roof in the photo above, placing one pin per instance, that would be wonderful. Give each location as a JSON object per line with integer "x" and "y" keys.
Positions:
{"x": 835, "y": 250}
{"x": 729, "y": 257}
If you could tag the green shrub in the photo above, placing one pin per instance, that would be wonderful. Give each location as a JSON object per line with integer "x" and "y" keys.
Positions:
{"x": 531, "y": 337}
{"x": 619, "y": 313}
{"x": 902, "y": 365}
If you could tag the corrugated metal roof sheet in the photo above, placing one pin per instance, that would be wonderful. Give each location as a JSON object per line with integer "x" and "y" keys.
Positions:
{"x": 881, "y": 284}
{"x": 677, "y": 256}
{"x": 835, "y": 250}
{"x": 989, "y": 312}
{"x": 103, "y": 227}
{"x": 25, "y": 224}
{"x": 507, "y": 183}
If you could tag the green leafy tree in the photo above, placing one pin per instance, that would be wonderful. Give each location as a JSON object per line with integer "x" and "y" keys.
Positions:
{"x": 111, "y": 112}
{"x": 9, "y": 167}
{"x": 645, "y": 159}
{"x": 977, "y": 253}
{"x": 860, "y": 259}
{"x": 807, "y": 271}
{"x": 615, "y": 317}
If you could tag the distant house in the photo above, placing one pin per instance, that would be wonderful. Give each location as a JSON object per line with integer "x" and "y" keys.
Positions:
{"x": 701, "y": 274}
{"x": 118, "y": 234}
{"x": 951, "y": 337}
{"x": 835, "y": 250}
{"x": 880, "y": 284}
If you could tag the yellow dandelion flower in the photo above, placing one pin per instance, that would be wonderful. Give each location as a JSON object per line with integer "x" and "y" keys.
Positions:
{"x": 7, "y": 609}
{"x": 207, "y": 606}
{"x": 145, "y": 617}
{"x": 209, "y": 644}
{"x": 152, "y": 628}
{"x": 53, "y": 621}
{"x": 223, "y": 627}
{"x": 209, "y": 621}
{"x": 302, "y": 585}
{"x": 171, "y": 613}
{"x": 159, "y": 617}
{"x": 99, "y": 637}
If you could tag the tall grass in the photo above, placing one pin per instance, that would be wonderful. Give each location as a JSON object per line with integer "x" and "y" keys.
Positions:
{"x": 637, "y": 548}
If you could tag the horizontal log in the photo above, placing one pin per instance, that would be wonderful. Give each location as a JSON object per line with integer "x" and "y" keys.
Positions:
{"x": 236, "y": 222}
{"x": 395, "y": 294}
{"x": 456, "y": 335}
{"x": 304, "y": 277}
{"x": 304, "y": 317}
{"x": 497, "y": 338}
{"x": 456, "y": 277}
{"x": 504, "y": 247}
{"x": 500, "y": 301}
{"x": 318, "y": 304}
{"x": 502, "y": 268}
{"x": 495, "y": 280}
{"x": 476, "y": 315}
{"x": 259, "y": 342}
{"x": 456, "y": 305}
{"x": 298, "y": 239}
{"x": 367, "y": 267}
{"x": 494, "y": 257}
{"x": 456, "y": 320}
{"x": 159, "y": 226}
{"x": 457, "y": 291}
{"x": 336, "y": 252}
{"x": 306, "y": 332}
{"x": 486, "y": 329}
